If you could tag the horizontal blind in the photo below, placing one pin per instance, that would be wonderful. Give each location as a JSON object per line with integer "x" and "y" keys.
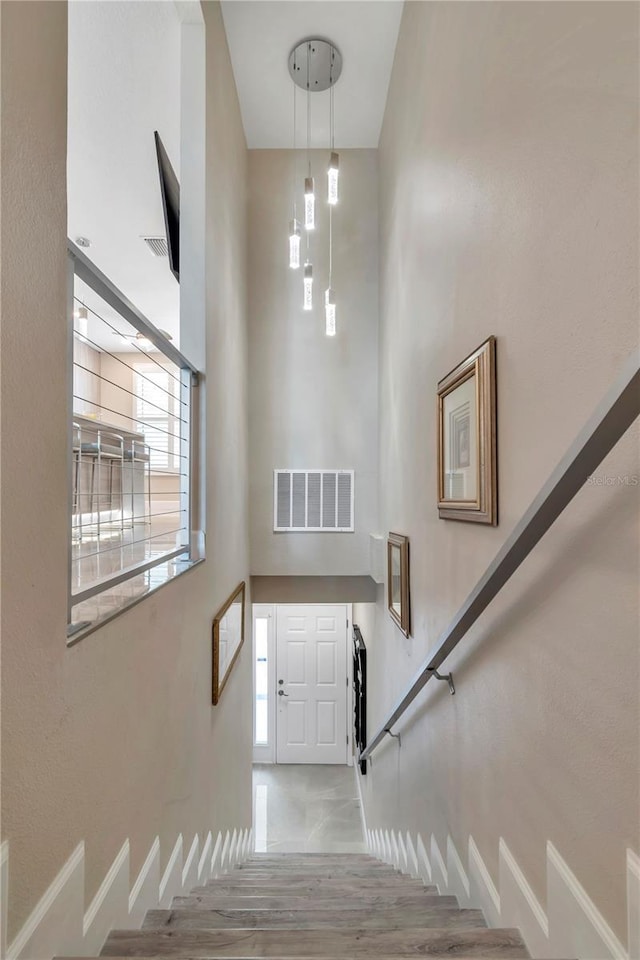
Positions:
{"x": 313, "y": 501}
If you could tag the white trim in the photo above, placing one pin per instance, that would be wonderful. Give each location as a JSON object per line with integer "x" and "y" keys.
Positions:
{"x": 633, "y": 904}
{"x": 483, "y": 885}
{"x": 424, "y": 863}
{"x": 363, "y": 816}
{"x": 110, "y": 906}
{"x": 144, "y": 893}
{"x": 4, "y": 890}
{"x": 204, "y": 865}
{"x": 572, "y": 925}
{"x": 59, "y": 923}
{"x": 402, "y": 855}
{"x": 440, "y": 874}
{"x": 57, "y": 917}
{"x": 519, "y": 906}
{"x": 171, "y": 883}
{"x": 224, "y": 857}
{"x": 575, "y": 923}
{"x": 215, "y": 866}
{"x": 191, "y": 865}
{"x": 412, "y": 860}
{"x": 458, "y": 879}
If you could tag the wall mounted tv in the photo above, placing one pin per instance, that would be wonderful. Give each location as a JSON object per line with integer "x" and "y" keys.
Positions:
{"x": 170, "y": 190}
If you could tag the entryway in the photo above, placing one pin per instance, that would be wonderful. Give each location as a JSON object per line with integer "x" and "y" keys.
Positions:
{"x": 306, "y": 808}
{"x": 302, "y": 688}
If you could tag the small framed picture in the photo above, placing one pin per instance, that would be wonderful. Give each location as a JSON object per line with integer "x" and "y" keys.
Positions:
{"x": 398, "y": 581}
{"x": 228, "y": 637}
{"x": 467, "y": 457}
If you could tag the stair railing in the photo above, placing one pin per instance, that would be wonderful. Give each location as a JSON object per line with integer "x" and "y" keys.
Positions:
{"x": 609, "y": 421}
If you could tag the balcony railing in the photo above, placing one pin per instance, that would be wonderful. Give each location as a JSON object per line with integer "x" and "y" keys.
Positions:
{"x": 132, "y": 453}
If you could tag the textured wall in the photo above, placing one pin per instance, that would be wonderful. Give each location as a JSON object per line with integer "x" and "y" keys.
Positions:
{"x": 313, "y": 399}
{"x": 116, "y": 736}
{"x": 509, "y": 181}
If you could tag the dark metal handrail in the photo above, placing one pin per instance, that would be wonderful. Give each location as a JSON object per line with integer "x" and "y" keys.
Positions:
{"x": 610, "y": 420}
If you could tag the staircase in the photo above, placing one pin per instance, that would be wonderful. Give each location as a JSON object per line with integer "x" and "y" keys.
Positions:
{"x": 315, "y": 905}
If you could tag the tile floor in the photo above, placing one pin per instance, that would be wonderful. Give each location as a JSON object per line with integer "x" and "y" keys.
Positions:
{"x": 306, "y": 808}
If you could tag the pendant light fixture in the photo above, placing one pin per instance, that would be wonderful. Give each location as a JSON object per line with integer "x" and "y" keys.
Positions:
{"x": 315, "y": 65}
{"x": 294, "y": 226}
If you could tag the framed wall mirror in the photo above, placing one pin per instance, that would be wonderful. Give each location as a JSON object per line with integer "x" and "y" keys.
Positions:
{"x": 467, "y": 462}
{"x": 398, "y": 581}
{"x": 228, "y": 637}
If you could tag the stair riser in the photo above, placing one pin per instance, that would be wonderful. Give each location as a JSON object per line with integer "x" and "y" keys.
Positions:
{"x": 341, "y": 873}
{"x": 323, "y": 892}
{"x": 307, "y": 903}
{"x": 380, "y": 919}
{"x": 494, "y": 944}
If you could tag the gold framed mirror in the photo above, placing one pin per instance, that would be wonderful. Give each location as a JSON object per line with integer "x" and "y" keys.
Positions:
{"x": 228, "y": 637}
{"x": 467, "y": 461}
{"x": 398, "y": 581}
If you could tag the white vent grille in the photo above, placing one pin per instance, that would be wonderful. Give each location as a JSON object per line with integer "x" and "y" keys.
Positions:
{"x": 313, "y": 500}
{"x": 157, "y": 245}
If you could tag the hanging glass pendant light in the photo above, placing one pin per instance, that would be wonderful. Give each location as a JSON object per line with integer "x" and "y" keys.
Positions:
{"x": 308, "y": 286}
{"x": 309, "y": 204}
{"x": 294, "y": 244}
{"x": 330, "y": 312}
{"x": 332, "y": 178}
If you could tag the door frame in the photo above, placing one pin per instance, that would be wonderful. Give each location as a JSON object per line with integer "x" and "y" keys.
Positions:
{"x": 266, "y": 753}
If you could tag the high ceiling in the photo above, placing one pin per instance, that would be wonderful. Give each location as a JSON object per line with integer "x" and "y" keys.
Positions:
{"x": 261, "y": 34}
{"x": 124, "y": 83}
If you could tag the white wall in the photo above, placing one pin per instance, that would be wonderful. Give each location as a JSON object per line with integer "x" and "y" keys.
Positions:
{"x": 124, "y": 83}
{"x": 508, "y": 177}
{"x": 116, "y": 737}
{"x": 313, "y": 399}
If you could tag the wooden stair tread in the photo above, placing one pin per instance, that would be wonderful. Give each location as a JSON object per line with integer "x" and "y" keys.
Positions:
{"x": 364, "y": 919}
{"x": 429, "y": 942}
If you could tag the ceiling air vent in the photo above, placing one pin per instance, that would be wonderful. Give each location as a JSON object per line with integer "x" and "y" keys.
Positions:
{"x": 157, "y": 245}
{"x": 313, "y": 500}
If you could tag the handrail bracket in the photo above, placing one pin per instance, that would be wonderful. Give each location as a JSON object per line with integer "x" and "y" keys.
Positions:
{"x": 396, "y": 736}
{"x": 443, "y": 676}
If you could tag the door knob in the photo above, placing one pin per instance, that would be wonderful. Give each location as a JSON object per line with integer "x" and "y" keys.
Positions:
{"x": 281, "y": 693}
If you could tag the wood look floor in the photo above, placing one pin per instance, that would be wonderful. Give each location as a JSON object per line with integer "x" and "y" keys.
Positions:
{"x": 300, "y": 907}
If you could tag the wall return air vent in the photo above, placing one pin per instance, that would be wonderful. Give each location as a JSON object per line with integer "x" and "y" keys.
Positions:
{"x": 313, "y": 501}
{"x": 157, "y": 245}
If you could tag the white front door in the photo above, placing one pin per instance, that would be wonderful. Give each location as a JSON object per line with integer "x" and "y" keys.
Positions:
{"x": 311, "y": 691}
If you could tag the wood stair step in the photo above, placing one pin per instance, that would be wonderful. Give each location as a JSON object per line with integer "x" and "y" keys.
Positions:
{"x": 419, "y": 899}
{"x": 381, "y": 919}
{"x": 426, "y": 942}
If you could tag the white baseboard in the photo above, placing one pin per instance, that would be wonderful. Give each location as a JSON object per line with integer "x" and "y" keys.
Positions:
{"x": 633, "y": 904}
{"x": 145, "y": 890}
{"x": 109, "y": 905}
{"x": 571, "y": 926}
{"x": 59, "y": 923}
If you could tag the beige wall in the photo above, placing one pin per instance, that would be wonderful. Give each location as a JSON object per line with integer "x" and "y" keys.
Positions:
{"x": 509, "y": 186}
{"x": 313, "y": 399}
{"x": 115, "y": 737}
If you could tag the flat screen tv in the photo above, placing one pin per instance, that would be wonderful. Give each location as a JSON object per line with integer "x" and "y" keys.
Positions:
{"x": 170, "y": 190}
